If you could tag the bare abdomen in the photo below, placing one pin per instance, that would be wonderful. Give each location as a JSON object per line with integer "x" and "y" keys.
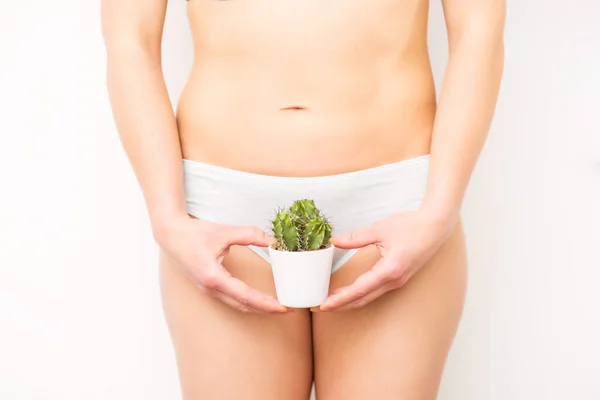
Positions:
{"x": 289, "y": 90}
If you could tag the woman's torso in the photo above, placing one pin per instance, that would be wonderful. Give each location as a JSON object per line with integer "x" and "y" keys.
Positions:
{"x": 359, "y": 70}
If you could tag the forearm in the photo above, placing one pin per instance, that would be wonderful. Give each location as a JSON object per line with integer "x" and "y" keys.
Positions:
{"x": 465, "y": 110}
{"x": 147, "y": 128}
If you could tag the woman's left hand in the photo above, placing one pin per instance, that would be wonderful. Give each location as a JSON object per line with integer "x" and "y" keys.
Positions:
{"x": 405, "y": 240}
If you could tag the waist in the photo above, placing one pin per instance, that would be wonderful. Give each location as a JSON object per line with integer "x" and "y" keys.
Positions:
{"x": 265, "y": 124}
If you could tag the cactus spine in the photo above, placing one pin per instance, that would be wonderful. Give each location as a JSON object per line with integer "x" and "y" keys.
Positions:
{"x": 316, "y": 234}
{"x": 302, "y": 227}
{"x": 285, "y": 232}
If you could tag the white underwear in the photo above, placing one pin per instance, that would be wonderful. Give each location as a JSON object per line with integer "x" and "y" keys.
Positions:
{"x": 350, "y": 200}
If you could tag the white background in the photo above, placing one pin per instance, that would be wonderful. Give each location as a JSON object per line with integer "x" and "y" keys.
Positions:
{"x": 80, "y": 317}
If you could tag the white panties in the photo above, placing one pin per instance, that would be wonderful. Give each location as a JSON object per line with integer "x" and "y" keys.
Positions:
{"x": 350, "y": 200}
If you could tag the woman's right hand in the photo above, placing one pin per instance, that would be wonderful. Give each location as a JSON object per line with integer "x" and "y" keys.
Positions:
{"x": 199, "y": 247}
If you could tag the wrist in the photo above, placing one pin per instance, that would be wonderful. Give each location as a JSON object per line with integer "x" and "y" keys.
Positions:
{"x": 443, "y": 215}
{"x": 164, "y": 222}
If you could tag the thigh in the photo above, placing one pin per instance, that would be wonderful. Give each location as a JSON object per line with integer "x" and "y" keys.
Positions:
{"x": 225, "y": 354}
{"x": 396, "y": 347}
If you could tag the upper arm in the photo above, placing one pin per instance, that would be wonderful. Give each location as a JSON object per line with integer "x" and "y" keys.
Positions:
{"x": 474, "y": 19}
{"x": 127, "y": 24}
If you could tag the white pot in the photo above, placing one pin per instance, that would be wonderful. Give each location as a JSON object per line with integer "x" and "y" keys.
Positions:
{"x": 302, "y": 277}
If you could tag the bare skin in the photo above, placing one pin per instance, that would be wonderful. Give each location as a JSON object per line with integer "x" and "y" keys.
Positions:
{"x": 396, "y": 345}
{"x": 254, "y": 59}
{"x": 297, "y": 88}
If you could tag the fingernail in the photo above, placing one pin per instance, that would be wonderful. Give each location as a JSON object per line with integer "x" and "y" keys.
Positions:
{"x": 324, "y": 307}
{"x": 283, "y": 309}
{"x": 315, "y": 309}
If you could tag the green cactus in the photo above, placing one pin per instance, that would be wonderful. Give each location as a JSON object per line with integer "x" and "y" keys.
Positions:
{"x": 286, "y": 232}
{"x": 316, "y": 233}
{"x": 302, "y": 227}
{"x": 304, "y": 209}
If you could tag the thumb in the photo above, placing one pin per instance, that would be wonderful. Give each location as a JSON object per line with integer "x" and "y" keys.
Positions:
{"x": 247, "y": 235}
{"x": 355, "y": 239}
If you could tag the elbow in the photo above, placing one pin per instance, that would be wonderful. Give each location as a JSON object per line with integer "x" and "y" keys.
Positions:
{"x": 128, "y": 42}
{"x": 123, "y": 56}
{"x": 482, "y": 50}
{"x": 483, "y": 37}
{"x": 127, "y": 58}
{"x": 125, "y": 47}
{"x": 486, "y": 42}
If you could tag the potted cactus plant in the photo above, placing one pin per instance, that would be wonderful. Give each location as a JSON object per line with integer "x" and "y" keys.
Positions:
{"x": 302, "y": 257}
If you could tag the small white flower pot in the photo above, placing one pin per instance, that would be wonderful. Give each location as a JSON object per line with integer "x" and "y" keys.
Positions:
{"x": 302, "y": 277}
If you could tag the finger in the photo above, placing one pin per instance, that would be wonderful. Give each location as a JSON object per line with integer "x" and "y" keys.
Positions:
{"x": 247, "y": 235}
{"x": 355, "y": 239}
{"x": 244, "y": 308}
{"x": 333, "y": 293}
{"x": 236, "y": 305}
{"x": 368, "y": 282}
{"x": 370, "y": 297}
{"x": 228, "y": 301}
{"x": 238, "y": 291}
{"x": 391, "y": 285}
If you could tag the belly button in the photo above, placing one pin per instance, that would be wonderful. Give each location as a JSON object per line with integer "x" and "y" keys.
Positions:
{"x": 293, "y": 108}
